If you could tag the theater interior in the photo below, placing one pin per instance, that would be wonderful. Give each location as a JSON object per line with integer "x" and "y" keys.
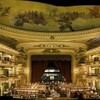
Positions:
{"x": 49, "y": 51}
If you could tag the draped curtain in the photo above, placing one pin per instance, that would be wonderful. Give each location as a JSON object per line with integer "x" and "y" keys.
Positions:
{"x": 38, "y": 68}
{"x": 65, "y": 69}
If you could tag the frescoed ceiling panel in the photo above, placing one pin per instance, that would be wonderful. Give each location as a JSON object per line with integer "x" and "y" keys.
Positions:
{"x": 34, "y": 16}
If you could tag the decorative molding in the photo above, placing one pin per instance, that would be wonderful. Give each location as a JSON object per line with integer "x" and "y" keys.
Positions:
{"x": 8, "y": 49}
{"x": 25, "y": 32}
{"x": 93, "y": 51}
{"x": 51, "y": 57}
{"x": 38, "y": 47}
{"x": 40, "y": 52}
{"x": 52, "y": 46}
{"x": 52, "y": 37}
{"x": 8, "y": 41}
{"x": 51, "y": 51}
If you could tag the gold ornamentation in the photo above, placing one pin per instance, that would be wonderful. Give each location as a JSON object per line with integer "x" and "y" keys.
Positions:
{"x": 51, "y": 51}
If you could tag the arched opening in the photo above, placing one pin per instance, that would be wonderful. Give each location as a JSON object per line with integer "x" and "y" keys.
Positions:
{"x": 59, "y": 65}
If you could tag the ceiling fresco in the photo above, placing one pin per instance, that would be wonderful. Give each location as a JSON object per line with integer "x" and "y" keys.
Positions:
{"x": 34, "y": 16}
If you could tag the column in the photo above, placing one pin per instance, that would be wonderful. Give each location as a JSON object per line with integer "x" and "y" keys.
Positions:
{"x": 1, "y": 86}
{"x": 29, "y": 69}
{"x": 73, "y": 69}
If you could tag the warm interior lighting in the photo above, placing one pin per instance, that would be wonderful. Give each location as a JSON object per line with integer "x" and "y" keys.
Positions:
{"x": 5, "y": 48}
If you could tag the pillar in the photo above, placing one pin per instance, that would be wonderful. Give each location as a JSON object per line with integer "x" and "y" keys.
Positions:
{"x": 29, "y": 69}
{"x": 73, "y": 69}
{"x": 1, "y": 86}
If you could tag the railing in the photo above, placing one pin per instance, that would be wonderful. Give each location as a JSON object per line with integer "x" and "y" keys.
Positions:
{"x": 8, "y": 63}
{"x": 93, "y": 74}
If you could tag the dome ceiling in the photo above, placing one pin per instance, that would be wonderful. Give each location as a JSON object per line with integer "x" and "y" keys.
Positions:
{"x": 43, "y": 28}
{"x": 34, "y": 16}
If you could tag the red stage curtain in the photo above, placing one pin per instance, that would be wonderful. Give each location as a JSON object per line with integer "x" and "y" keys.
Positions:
{"x": 65, "y": 69}
{"x": 38, "y": 67}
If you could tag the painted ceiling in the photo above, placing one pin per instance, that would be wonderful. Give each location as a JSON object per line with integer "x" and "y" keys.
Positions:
{"x": 35, "y": 16}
